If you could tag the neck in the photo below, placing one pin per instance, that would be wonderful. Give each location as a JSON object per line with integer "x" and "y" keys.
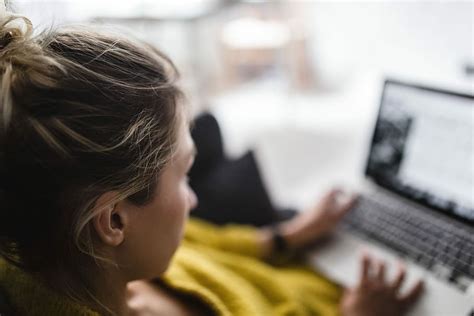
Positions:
{"x": 110, "y": 293}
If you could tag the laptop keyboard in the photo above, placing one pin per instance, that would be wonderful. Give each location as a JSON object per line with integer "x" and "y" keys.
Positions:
{"x": 430, "y": 241}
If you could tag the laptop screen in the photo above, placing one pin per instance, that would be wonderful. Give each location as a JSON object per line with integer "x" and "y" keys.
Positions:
{"x": 423, "y": 147}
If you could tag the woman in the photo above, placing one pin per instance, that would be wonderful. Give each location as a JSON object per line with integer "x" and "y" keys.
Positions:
{"x": 95, "y": 148}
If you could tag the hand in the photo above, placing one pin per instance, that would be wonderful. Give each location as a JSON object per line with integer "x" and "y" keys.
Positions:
{"x": 375, "y": 296}
{"x": 318, "y": 220}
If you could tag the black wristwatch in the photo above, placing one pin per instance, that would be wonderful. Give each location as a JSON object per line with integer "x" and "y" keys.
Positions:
{"x": 279, "y": 242}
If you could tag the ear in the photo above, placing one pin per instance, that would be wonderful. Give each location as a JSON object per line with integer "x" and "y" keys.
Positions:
{"x": 110, "y": 220}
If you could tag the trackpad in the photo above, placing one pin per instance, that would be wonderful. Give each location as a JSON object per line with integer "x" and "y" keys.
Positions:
{"x": 339, "y": 259}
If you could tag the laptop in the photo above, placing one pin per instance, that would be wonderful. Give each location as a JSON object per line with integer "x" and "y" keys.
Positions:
{"x": 417, "y": 199}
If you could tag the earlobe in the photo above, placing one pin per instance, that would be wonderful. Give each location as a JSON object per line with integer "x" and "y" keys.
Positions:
{"x": 108, "y": 225}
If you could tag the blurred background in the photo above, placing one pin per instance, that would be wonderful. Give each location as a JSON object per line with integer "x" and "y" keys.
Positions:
{"x": 298, "y": 82}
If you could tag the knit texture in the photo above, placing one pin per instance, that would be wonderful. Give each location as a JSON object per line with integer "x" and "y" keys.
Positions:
{"x": 28, "y": 296}
{"x": 219, "y": 265}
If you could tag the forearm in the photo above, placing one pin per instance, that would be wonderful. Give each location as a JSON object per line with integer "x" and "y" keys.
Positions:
{"x": 309, "y": 225}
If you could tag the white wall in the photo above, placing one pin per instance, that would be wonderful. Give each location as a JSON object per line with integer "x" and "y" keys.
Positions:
{"x": 425, "y": 40}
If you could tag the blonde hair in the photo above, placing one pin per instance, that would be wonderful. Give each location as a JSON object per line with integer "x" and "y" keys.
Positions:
{"x": 81, "y": 113}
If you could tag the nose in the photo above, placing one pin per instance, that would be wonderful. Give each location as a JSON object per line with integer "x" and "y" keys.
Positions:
{"x": 193, "y": 200}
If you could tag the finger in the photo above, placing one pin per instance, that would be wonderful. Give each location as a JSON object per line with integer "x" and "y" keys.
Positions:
{"x": 333, "y": 192}
{"x": 413, "y": 295}
{"x": 380, "y": 275}
{"x": 330, "y": 197}
{"x": 397, "y": 283}
{"x": 365, "y": 268}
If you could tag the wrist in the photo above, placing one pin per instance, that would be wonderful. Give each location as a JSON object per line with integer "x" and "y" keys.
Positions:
{"x": 277, "y": 239}
{"x": 265, "y": 238}
{"x": 291, "y": 234}
{"x": 286, "y": 236}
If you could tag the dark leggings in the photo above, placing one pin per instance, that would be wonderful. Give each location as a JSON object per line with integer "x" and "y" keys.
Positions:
{"x": 228, "y": 190}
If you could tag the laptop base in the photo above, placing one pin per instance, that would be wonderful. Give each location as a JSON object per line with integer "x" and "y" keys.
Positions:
{"x": 339, "y": 259}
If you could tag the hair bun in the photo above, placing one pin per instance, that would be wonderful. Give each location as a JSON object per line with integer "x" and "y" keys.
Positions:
{"x": 13, "y": 26}
{"x": 6, "y": 39}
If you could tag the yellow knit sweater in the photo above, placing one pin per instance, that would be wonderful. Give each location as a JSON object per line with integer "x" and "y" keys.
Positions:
{"x": 218, "y": 265}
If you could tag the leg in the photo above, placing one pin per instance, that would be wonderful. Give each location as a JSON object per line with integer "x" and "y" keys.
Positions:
{"x": 208, "y": 140}
{"x": 228, "y": 190}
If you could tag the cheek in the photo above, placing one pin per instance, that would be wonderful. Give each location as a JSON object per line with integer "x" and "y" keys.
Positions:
{"x": 192, "y": 199}
{"x": 188, "y": 196}
{"x": 183, "y": 201}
